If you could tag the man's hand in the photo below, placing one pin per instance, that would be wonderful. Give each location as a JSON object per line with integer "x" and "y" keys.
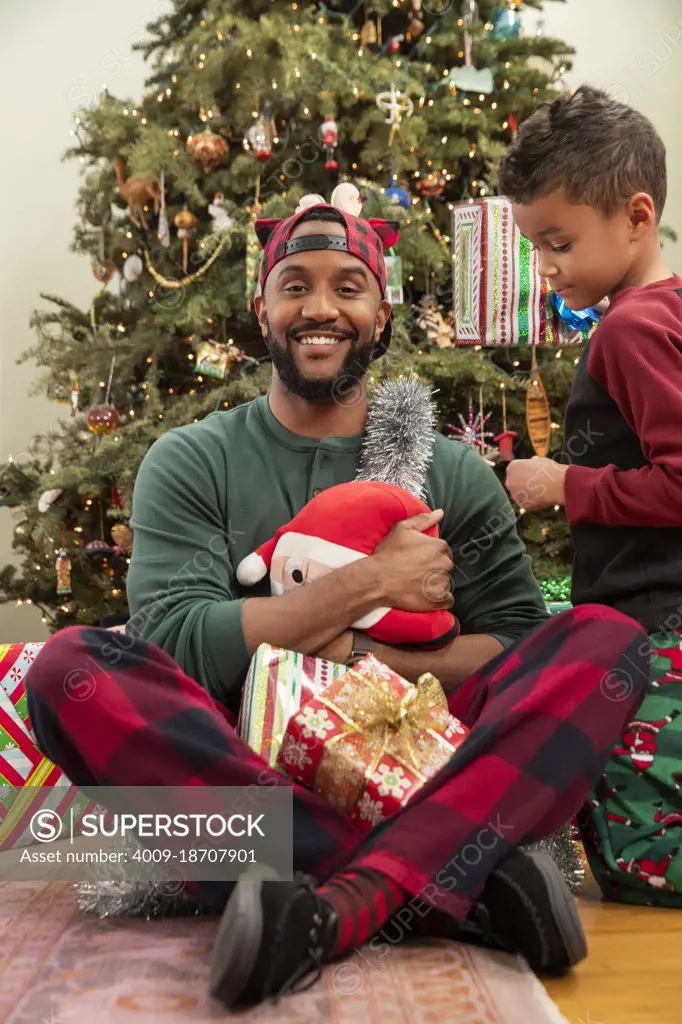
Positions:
{"x": 339, "y": 650}
{"x": 536, "y": 483}
{"x": 413, "y": 569}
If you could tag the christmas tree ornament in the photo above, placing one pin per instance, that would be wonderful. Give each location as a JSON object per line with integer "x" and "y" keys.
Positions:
{"x": 400, "y": 198}
{"x": 416, "y": 24}
{"x": 394, "y": 279}
{"x": 185, "y": 222}
{"x": 63, "y": 569}
{"x": 329, "y": 133}
{"x": 98, "y": 550}
{"x": 163, "y": 231}
{"x": 259, "y": 138}
{"x": 513, "y": 122}
{"x": 469, "y": 78}
{"x": 429, "y": 316}
{"x": 506, "y": 21}
{"x": 216, "y": 360}
{"x": 395, "y": 104}
{"x": 472, "y": 432}
{"x": 74, "y": 395}
{"x": 102, "y": 419}
{"x": 137, "y": 192}
{"x": 103, "y": 270}
{"x": 505, "y": 440}
{"x": 394, "y": 44}
{"x": 399, "y": 435}
{"x": 219, "y": 215}
{"x": 538, "y": 416}
{"x": 431, "y": 185}
{"x": 48, "y": 498}
{"x": 368, "y": 33}
{"x": 207, "y": 150}
{"x": 122, "y": 536}
{"x": 97, "y": 211}
{"x": 132, "y": 268}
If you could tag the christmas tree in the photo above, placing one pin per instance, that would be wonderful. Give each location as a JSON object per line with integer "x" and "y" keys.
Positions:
{"x": 248, "y": 106}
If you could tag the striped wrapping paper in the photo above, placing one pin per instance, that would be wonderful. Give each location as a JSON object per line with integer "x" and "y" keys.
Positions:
{"x": 278, "y": 682}
{"x": 22, "y": 766}
{"x": 499, "y": 298}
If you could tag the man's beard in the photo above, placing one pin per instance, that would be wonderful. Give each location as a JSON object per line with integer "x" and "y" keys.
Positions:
{"x": 320, "y": 389}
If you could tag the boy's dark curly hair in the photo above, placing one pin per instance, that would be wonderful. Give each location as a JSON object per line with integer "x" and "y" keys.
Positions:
{"x": 599, "y": 151}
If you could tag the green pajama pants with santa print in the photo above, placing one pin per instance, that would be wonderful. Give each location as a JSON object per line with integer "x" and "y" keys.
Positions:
{"x": 632, "y": 826}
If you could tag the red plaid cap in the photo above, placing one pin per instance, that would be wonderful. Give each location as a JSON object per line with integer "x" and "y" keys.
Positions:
{"x": 366, "y": 239}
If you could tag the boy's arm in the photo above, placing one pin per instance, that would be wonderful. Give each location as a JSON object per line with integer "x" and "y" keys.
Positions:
{"x": 640, "y": 366}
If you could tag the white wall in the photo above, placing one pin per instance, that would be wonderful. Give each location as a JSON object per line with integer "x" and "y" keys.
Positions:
{"x": 632, "y": 50}
{"x": 56, "y": 54}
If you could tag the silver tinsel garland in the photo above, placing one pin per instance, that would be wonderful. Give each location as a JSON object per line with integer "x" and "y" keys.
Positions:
{"x": 563, "y": 847}
{"x": 400, "y": 435}
{"x": 397, "y": 450}
{"x": 112, "y": 892}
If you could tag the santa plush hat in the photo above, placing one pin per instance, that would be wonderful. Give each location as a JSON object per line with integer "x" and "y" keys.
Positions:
{"x": 342, "y": 525}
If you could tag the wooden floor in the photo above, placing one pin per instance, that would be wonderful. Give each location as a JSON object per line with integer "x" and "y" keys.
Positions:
{"x": 633, "y": 973}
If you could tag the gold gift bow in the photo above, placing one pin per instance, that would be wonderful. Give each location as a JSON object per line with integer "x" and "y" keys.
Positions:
{"x": 387, "y": 722}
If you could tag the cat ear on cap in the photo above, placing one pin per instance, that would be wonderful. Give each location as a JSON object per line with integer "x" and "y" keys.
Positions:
{"x": 387, "y": 230}
{"x": 264, "y": 227}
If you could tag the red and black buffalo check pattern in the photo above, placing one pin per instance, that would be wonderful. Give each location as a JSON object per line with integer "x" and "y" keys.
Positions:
{"x": 543, "y": 715}
{"x": 365, "y": 239}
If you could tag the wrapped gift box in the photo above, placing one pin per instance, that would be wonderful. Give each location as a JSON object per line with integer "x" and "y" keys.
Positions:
{"x": 278, "y": 682}
{"x": 499, "y": 297}
{"x": 22, "y": 765}
{"x": 371, "y": 740}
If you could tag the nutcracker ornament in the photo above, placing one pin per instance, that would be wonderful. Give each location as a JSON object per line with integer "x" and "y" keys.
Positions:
{"x": 63, "y": 567}
{"x": 185, "y": 222}
{"x": 329, "y": 133}
{"x": 207, "y": 150}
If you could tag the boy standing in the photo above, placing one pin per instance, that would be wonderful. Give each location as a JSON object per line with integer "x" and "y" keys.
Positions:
{"x": 587, "y": 179}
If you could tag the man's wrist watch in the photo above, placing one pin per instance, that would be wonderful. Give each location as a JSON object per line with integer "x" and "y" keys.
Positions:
{"x": 362, "y": 646}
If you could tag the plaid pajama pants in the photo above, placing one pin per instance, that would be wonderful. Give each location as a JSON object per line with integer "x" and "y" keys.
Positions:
{"x": 544, "y": 715}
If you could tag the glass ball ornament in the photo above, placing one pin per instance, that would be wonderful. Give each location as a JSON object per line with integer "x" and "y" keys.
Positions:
{"x": 207, "y": 150}
{"x": 102, "y": 419}
{"x": 506, "y": 23}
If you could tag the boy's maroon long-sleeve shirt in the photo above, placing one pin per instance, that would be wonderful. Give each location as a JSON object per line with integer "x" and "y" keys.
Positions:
{"x": 623, "y": 441}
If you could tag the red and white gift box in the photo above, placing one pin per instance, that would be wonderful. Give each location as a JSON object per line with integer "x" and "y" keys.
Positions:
{"x": 370, "y": 740}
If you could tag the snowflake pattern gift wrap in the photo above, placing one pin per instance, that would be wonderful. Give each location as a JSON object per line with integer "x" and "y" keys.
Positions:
{"x": 499, "y": 297}
{"x": 371, "y": 740}
{"x": 278, "y": 682}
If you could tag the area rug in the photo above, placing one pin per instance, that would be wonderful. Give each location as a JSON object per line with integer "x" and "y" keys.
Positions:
{"x": 59, "y": 966}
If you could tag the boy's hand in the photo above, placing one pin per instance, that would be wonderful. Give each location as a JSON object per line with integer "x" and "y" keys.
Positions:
{"x": 536, "y": 483}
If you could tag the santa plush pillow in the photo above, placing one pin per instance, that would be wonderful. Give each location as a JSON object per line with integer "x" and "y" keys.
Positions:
{"x": 340, "y": 526}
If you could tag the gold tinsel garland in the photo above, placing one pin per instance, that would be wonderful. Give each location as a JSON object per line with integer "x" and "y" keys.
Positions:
{"x": 168, "y": 282}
